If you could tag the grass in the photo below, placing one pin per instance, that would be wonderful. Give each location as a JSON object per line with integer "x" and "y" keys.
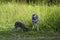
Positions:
{"x": 49, "y": 20}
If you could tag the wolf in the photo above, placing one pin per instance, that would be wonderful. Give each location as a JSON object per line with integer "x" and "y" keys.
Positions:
{"x": 35, "y": 21}
{"x": 21, "y": 25}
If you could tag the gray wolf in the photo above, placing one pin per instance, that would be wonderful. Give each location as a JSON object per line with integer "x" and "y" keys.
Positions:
{"x": 35, "y": 21}
{"x": 21, "y": 25}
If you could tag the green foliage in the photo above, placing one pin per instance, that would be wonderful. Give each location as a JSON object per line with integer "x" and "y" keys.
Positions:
{"x": 49, "y": 20}
{"x": 48, "y": 16}
{"x": 33, "y": 1}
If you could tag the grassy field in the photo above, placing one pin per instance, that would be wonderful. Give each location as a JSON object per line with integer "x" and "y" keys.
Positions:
{"x": 49, "y": 21}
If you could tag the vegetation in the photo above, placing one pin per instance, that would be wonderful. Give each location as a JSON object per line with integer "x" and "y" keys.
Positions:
{"x": 29, "y": 1}
{"x": 10, "y": 12}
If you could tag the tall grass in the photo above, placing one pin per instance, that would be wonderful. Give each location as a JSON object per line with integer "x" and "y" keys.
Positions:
{"x": 49, "y": 20}
{"x": 49, "y": 16}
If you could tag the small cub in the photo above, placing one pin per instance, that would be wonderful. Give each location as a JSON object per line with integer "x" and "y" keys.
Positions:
{"x": 21, "y": 25}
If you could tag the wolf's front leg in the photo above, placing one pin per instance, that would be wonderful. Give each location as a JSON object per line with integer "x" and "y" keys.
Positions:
{"x": 37, "y": 27}
{"x": 32, "y": 26}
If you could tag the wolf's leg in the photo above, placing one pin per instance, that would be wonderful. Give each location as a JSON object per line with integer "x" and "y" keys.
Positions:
{"x": 15, "y": 29}
{"x": 37, "y": 26}
{"x": 32, "y": 26}
{"x": 21, "y": 30}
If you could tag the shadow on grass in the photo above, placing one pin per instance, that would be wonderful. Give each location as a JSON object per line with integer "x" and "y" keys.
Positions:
{"x": 32, "y": 35}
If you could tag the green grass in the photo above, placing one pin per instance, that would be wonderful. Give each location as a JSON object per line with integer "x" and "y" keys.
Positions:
{"x": 49, "y": 19}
